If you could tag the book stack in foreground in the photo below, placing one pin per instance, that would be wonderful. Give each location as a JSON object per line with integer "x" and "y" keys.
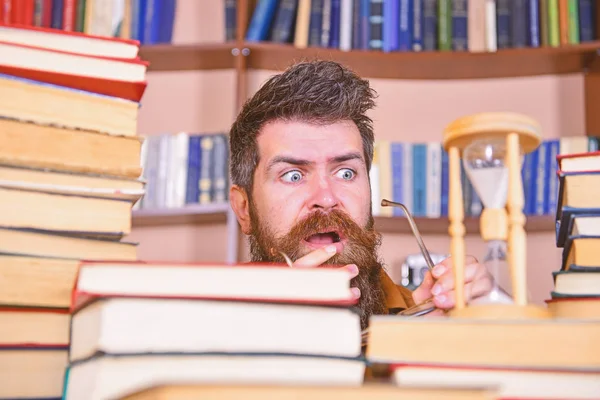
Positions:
{"x": 136, "y": 324}
{"x": 576, "y": 291}
{"x": 69, "y": 169}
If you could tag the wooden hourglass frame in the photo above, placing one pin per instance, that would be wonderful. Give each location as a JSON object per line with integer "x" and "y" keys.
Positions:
{"x": 522, "y": 135}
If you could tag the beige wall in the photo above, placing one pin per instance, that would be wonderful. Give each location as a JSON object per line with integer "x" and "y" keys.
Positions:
{"x": 407, "y": 111}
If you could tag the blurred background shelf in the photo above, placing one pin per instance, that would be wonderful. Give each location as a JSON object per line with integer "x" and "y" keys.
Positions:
{"x": 377, "y": 64}
{"x": 192, "y": 214}
{"x": 217, "y": 213}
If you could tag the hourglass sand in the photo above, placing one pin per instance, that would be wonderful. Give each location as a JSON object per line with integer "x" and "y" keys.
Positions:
{"x": 491, "y": 146}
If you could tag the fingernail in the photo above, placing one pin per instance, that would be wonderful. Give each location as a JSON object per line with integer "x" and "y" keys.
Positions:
{"x": 436, "y": 289}
{"x": 441, "y": 298}
{"x": 439, "y": 270}
{"x": 353, "y": 269}
{"x": 331, "y": 248}
{"x": 355, "y": 291}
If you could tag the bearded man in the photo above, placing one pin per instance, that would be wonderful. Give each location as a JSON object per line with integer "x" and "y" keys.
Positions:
{"x": 301, "y": 150}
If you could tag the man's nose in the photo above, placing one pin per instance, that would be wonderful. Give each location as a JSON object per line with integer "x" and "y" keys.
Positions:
{"x": 323, "y": 195}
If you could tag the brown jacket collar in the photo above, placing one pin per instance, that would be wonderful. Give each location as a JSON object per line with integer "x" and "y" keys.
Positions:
{"x": 397, "y": 297}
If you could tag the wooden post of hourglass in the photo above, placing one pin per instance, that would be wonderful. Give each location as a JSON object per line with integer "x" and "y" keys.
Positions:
{"x": 516, "y": 238}
{"x": 457, "y": 227}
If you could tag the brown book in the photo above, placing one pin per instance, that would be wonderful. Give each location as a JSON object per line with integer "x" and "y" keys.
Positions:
{"x": 563, "y": 21}
{"x": 45, "y": 104}
{"x": 30, "y": 208}
{"x": 32, "y": 373}
{"x": 575, "y": 307}
{"x": 62, "y": 149}
{"x": 109, "y": 186}
{"x": 529, "y": 344}
{"x": 263, "y": 392}
{"x": 476, "y": 25}
{"x": 36, "y": 326}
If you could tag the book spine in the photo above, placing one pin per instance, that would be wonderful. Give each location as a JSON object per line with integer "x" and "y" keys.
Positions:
{"x": 167, "y": 21}
{"x": 230, "y": 19}
{"x": 553, "y": 24}
{"x": 284, "y": 22}
{"x": 407, "y": 183}
{"x": 316, "y": 23}
{"x": 346, "y": 22}
{"x": 541, "y": 178}
{"x": 69, "y": 15}
{"x": 357, "y": 21}
{"x": 57, "y": 14}
{"x": 573, "y": 22}
{"x": 503, "y": 23}
{"x": 430, "y": 26}
{"x": 586, "y": 21}
{"x": 459, "y": 13}
{"x": 519, "y": 24}
{"x": 397, "y": 175}
{"x": 405, "y": 25}
{"x": 534, "y": 23}
{"x": 444, "y": 25}
{"x": 326, "y": 23}
{"x": 219, "y": 171}
{"x": 392, "y": 14}
{"x": 376, "y": 24}
{"x": 192, "y": 193}
{"x": 260, "y": 23}
{"x": 445, "y": 185}
{"x": 420, "y": 179}
{"x": 418, "y": 21}
{"x": 334, "y": 24}
{"x": 552, "y": 181}
{"x": 434, "y": 181}
{"x": 205, "y": 183}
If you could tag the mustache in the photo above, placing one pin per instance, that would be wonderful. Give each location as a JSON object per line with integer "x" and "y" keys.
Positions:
{"x": 335, "y": 221}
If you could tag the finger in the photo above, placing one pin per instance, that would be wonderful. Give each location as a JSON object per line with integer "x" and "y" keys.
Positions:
{"x": 446, "y": 265}
{"x": 474, "y": 289}
{"x": 355, "y": 292}
{"x": 423, "y": 292}
{"x": 436, "y": 313}
{"x": 446, "y": 281}
{"x": 316, "y": 257}
{"x": 352, "y": 269}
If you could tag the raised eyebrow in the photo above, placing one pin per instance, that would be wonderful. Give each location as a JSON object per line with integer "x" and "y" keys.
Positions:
{"x": 287, "y": 160}
{"x": 347, "y": 157}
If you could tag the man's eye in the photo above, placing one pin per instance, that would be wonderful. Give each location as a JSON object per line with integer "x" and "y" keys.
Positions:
{"x": 346, "y": 174}
{"x": 292, "y": 176}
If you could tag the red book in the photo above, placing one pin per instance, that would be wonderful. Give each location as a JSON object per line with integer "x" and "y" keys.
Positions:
{"x": 579, "y": 162}
{"x": 116, "y": 77}
{"x": 69, "y": 41}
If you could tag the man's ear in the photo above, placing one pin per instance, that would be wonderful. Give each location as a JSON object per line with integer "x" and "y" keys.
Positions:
{"x": 241, "y": 207}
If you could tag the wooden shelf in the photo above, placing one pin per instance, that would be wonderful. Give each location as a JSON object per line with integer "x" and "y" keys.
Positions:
{"x": 377, "y": 64}
{"x": 210, "y": 213}
{"x": 439, "y": 226}
{"x": 188, "y": 57}
{"x": 189, "y": 215}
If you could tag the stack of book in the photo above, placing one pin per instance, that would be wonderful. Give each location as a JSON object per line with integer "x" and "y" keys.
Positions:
{"x": 140, "y": 324}
{"x": 69, "y": 175}
{"x": 576, "y": 291}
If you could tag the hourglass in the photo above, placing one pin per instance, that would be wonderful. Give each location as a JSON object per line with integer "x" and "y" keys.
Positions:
{"x": 491, "y": 146}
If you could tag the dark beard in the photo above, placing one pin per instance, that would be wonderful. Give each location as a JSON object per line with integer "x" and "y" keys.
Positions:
{"x": 360, "y": 249}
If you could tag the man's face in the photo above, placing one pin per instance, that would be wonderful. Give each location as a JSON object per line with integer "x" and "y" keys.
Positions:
{"x": 306, "y": 170}
{"x": 311, "y": 189}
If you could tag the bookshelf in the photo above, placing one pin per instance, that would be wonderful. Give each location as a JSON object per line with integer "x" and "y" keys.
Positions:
{"x": 248, "y": 61}
{"x": 505, "y": 63}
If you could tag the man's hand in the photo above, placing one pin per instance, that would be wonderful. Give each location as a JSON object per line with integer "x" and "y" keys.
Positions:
{"x": 440, "y": 284}
{"x": 319, "y": 256}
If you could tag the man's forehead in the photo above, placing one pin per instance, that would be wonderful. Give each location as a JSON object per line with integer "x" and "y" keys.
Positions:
{"x": 309, "y": 140}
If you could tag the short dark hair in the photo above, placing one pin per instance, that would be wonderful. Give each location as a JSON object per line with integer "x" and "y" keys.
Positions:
{"x": 318, "y": 92}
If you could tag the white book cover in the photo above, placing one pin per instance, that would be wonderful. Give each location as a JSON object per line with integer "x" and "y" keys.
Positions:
{"x": 407, "y": 179}
{"x": 434, "y": 180}
{"x": 346, "y": 25}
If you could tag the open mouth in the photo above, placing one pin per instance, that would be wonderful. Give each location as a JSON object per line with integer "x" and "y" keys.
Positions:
{"x": 324, "y": 238}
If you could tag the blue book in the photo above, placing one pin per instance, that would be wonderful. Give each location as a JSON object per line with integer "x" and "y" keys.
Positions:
{"x": 533, "y": 18}
{"x": 419, "y": 180}
{"x": 418, "y": 20}
{"x": 405, "y": 25}
{"x": 334, "y": 24}
{"x": 430, "y": 25}
{"x": 587, "y": 25}
{"x": 445, "y": 183}
{"x": 262, "y": 17}
{"x": 397, "y": 151}
{"x": 192, "y": 192}
{"x": 315, "y": 26}
{"x": 459, "y": 13}
{"x": 391, "y": 23}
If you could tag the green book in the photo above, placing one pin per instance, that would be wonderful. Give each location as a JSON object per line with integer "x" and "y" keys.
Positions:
{"x": 444, "y": 25}
{"x": 573, "y": 22}
{"x": 553, "y": 24}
